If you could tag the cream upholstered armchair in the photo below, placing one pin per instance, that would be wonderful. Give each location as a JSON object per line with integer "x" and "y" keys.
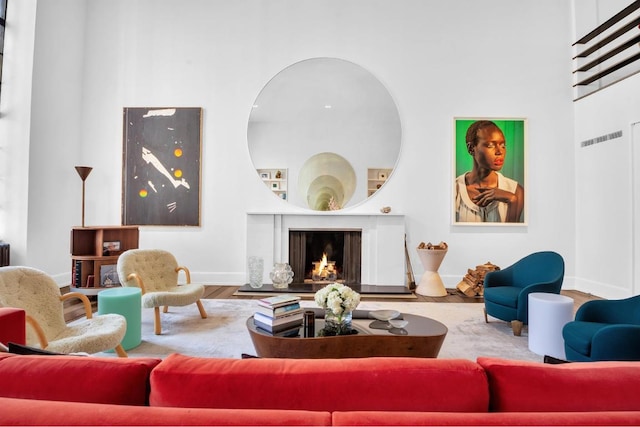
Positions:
{"x": 155, "y": 272}
{"x": 39, "y": 296}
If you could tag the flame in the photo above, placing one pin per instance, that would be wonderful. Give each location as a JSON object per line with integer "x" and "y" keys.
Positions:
{"x": 323, "y": 263}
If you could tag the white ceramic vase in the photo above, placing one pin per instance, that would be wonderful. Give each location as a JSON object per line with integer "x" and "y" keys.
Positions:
{"x": 431, "y": 284}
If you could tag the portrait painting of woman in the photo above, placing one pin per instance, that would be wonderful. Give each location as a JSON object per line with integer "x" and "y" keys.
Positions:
{"x": 489, "y": 182}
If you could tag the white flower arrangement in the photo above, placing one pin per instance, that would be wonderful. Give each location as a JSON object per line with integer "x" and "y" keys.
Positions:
{"x": 338, "y": 298}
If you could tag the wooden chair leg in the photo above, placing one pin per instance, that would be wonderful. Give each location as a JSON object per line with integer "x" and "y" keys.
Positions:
{"x": 165, "y": 309}
{"x": 486, "y": 318}
{"x": 156, "y": 321}
{"x": 120, "y": 351}
{"x": 516, "y": 326}
{"x": 203, "y": 313}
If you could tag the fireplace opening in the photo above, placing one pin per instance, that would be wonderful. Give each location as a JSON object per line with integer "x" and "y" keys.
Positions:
{"x": 325, "y": 256}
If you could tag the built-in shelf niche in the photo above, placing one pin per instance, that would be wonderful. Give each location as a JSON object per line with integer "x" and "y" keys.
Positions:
{"x": 276, "y": 180}
{"x": 376, "y": 177}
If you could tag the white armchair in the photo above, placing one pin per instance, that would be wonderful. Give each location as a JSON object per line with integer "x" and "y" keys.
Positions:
{"x": 155, "y": 272}
{"x": 39, "y": 296}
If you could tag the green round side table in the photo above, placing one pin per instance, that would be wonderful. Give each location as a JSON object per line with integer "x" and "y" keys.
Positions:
{"x": 127, "y": 302}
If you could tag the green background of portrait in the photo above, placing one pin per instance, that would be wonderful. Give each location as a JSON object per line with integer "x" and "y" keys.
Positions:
{"x": 513, "y": 130}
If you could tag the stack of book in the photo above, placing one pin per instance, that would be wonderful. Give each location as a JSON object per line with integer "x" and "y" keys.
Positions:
{"x": 279, "y": 315}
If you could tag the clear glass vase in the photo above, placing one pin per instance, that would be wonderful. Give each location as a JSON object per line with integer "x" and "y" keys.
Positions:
{"x": 281, "y": 275}
{"x": 337, "y": 324}
{"x": 256, "y": 269}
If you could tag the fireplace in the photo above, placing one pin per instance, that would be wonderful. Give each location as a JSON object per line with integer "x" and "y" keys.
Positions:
{"x": 382, "y": 244}
{"x": 326, "y": 256}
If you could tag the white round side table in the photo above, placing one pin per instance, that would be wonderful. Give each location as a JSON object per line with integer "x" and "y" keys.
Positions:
{"x": 431, "y": 284}
{"x": 548, "y": 313}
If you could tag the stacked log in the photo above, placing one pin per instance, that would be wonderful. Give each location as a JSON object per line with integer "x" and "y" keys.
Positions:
{"x": 472, "y": 284}
{"x": 439, "y": 246}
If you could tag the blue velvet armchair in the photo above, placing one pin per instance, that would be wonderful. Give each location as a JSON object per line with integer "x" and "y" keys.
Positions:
{"x": 506, "y": 291}
{"x": 604, "y": 330}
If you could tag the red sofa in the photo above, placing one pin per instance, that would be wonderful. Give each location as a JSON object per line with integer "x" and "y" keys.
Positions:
{"x": 12, "y": 325}
{"x": 183, "y": 390}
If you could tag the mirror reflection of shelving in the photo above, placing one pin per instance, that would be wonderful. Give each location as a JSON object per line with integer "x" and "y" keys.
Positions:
{"x": 276, "y": 180}
{"x": 376, "y": 177}
{"x": 278, "y": 134}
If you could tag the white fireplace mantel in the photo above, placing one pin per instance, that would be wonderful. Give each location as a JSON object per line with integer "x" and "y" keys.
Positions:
{"x": 382, "y": 261}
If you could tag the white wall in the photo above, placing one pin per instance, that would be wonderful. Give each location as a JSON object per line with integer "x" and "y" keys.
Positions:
{"x": 605, "y": 220}
{"x": 55, "y": 144}
{"x": 605, "y": 194}
{"x": 15, "y": 120}
{"x": 437, "y": 59}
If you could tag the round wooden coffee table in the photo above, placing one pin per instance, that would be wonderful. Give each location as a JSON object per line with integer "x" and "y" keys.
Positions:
{"x": 422, "y": 337}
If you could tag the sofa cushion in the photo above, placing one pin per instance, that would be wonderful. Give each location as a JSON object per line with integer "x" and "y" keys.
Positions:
{"x": 591, "y": 386}
{"x": 46, "y": 412}
{"x": 384, "y": 383}
{"x": 77, "y": 379}
{"x": 380, "y": 418}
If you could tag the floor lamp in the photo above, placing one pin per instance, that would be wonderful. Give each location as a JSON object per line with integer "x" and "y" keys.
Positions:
{"x": 84, "y": 172}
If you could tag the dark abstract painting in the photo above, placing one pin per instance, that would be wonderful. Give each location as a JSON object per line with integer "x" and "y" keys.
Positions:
{"x": 161, "y": 166}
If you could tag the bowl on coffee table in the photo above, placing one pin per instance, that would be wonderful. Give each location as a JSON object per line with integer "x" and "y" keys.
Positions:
{"x": 382, "y": 318}
{"x": 384, "y": 315}
{"x": 398, "y": 323}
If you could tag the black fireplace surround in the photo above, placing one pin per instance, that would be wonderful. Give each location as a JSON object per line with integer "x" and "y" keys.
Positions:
{"x": 344, "y": 247}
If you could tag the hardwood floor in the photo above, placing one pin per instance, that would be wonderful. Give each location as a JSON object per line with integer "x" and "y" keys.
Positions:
{"x": 75, "y": 310}
{"x": 226, "y": 292}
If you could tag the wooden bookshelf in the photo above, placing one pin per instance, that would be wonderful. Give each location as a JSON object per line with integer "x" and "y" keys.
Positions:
{"x": 94, "y": 255}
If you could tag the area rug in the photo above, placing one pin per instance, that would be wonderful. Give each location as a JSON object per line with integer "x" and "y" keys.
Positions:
{"x": 224, "y": 332}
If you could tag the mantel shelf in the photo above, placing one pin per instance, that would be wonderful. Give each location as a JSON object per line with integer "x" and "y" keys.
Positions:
{"x": 327, "y": 213}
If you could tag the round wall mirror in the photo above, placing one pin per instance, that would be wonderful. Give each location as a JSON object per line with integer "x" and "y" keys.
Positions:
{"x": 324, "y": 134}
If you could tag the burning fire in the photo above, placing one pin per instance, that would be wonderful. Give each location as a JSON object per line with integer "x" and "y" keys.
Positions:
{"x": 323, "y": 263}
{"x": 324, "y": 269}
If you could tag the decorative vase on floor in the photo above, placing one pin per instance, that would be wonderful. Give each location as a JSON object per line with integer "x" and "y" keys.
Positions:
{"x": 431, "y": 284}
{"x": 281, "y": 275}
{"x": 337, "y": 324}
